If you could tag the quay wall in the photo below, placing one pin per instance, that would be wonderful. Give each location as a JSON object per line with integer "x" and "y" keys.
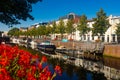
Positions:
{"x": 112, "y": 50}
{"x": 75, "y": 45}
{"x": 109, "y": 50}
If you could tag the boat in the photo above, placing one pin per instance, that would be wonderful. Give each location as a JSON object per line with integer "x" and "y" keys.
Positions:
{"x": 46, "y": 47}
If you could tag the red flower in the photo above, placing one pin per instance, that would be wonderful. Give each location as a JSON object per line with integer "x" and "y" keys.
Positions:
{"x": 4, "y": 61}
{"x": 45, "y": 75}
{"x": 44, "y": 58}
{"x": 33, "y": 69}
{"x": 4, "y": 74}
{"x": 26, "y": 65}
{"x": 21, "y": 73}
{"x": 30, "y": 76}
{"x": 3, "y": 71}
{"x": 24, "y": 59}
{"x": 39, "y": 67}
{"x": 58, "y": 69}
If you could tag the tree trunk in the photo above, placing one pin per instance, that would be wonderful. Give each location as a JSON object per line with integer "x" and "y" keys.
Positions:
{"x": 61, "y": 36}
{"x": 118, "y": 39}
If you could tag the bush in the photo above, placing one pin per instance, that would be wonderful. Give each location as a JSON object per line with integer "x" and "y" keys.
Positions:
{"x": 16, "y": 64}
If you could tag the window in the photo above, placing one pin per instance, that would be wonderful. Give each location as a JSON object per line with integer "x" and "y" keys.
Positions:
{"x": 84, "y": 37}
{"x": 71, "y": 16}
{"x": 113, "y": 37}
{"x": 103, "y": 38}
{"x": 107, "y": 38}
{"x": 88, "y": 37}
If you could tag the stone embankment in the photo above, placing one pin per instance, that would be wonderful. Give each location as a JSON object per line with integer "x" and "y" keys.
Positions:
{"x": 109, "y": 50}
{"x": 78, "y": 45}
{"x": 112, "y": 50}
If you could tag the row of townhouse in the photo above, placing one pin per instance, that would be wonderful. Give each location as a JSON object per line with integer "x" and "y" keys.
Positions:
{"x": 36, "y": 25}
{"x": 108, "y": 37}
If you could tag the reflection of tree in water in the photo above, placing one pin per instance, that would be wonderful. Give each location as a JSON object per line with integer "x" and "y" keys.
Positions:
{"x": 55, "y": 62}
{"x": 69, "y": 70}
{"x": 52, "y": 61}
{"x": 81, "y": 73}
{"x": 99, "y": 76}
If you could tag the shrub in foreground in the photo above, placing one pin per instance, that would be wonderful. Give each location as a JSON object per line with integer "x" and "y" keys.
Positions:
{"x": 16, "y": 64}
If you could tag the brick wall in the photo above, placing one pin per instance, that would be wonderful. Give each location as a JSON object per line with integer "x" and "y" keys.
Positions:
{"x": 112, "y": 50}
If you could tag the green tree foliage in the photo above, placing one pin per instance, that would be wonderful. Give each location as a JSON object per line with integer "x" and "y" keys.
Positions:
{"x": 118, "y": 29}
{"x": 13, "y": 32}
{"x": 32, "y": 32}
{"x": 118, "y": 32}
{"x": 101, "y": 23}
{"x": 54, "y": 27}
{"x": 82, "y": 26}
{"x": 49, "y": 30}
{"x": 70, "y": 27}
{"x": 26, "y": 33}
{"x": 21, "y": 33}
{"x": 41, "y": 30}
{"x": 11, "y": 11}
{"x": 61, "y": 28}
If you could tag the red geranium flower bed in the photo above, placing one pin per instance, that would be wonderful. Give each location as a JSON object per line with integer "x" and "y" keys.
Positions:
{"x": 16, "y": 64}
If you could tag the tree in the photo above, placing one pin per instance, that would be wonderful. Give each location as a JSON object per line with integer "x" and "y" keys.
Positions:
{"x": 48, "y": 30}
{"x": 70, "y": 27}
{"x": 13, "y": 32}
{"x": 118, "y": 32}
{"x": 82, "y": 26}
{"x": 61, "y": 28}
{"x": 11, "y": 11}
{"x": 101, "y": 24}
{"x": 54, "y": 27}
{"x": 41, "y": 31}
{"x": 32, "y": 32}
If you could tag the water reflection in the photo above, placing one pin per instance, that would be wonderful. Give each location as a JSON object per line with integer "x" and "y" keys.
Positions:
{"x": 112, "y": 62}
{"x": 112, "y": 68}
{"x": 82, "y": 69}
{"x": 105, "y": 68}
{"x": 109, "y": 66}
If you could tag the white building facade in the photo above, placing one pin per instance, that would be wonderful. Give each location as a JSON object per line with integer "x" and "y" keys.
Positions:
{"x": 108, "y": 37}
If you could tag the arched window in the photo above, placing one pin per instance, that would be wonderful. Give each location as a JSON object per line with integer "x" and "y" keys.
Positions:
{"x": 71, "y": 16}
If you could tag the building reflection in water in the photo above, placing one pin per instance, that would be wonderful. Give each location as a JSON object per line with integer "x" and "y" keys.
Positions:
{"x": 109, "y": 66}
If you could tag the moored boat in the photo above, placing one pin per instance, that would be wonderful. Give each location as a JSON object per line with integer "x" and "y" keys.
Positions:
{"x": 46, "y": 47}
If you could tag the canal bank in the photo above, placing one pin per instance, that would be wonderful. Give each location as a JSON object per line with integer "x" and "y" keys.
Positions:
{"x": 108, "y": 50}
{"x": 112, "y": 50}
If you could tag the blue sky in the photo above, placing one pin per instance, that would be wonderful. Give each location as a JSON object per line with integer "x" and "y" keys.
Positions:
{"x": 49, "y": 10}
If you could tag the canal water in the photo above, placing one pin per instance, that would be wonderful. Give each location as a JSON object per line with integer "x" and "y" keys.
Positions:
{"x": 85, "y": 69}
{"x": 108, "y": 69}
